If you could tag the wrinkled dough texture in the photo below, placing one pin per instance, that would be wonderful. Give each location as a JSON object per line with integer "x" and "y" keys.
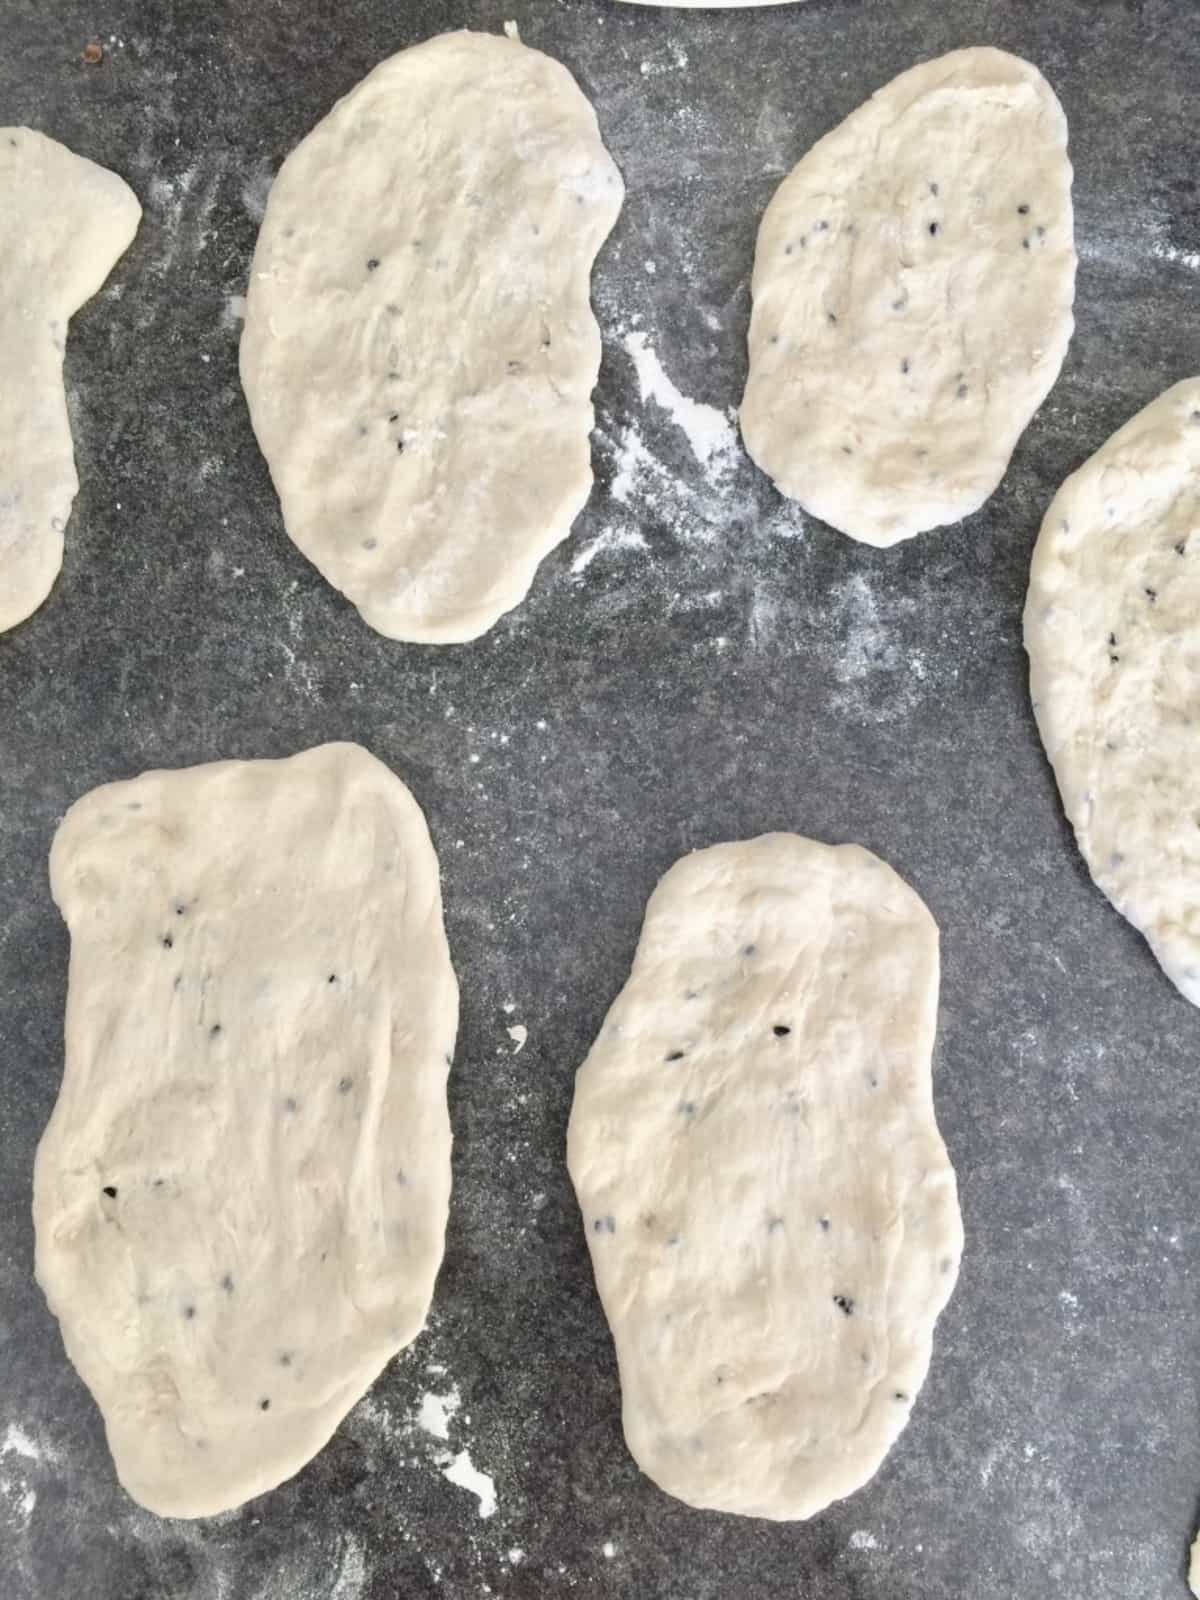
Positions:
{"x": 64, "y": 222}
{"x": 1114, "y": 665}
{"x": 240, "y": 1200}
{"x": 419, "y": 350}
{"x": 771, "y": 1212}
{"x": 913, "y": 285}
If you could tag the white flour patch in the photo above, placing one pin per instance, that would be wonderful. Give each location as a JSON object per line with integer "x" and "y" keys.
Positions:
{"x": 512, "y": 31}
{"x": 709, "y": 432}
{"x": 256, "y": 188}
{"x": 518, "y": 1033}
{"x": 860, "y": 1539}
{"x": 436, "y": 1411}
{"x": 609, "y": 541}
{"x": 461, "y": 1470}
{"x": 17, "y": 1442}
{"x": 608, "y": 1549}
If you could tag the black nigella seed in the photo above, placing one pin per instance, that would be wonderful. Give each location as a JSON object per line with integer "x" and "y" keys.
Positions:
{"x": 227, "y": 1282}
{"x": 394, "y": 416}
{"x": 1023, "y": 211}
{"x": 345, "y": 1085}
{"x": 189, "y": 1312}
{"x": 781, "y": 1030}
{"x": 824, "y": 1222}
{"x": 264, "y": 1405}
{"x": 168, "y": 943}
{"x": 214, "y": 1030}
{"x": 109, "y": 1191}
{"x": 899, "y": 1395}
{"x": 332, "y": 978}
{"x": 961, "y": 391}
{"x": 1152, "y": 595}
{"x": 933, "y": 228}
{"x": 904, "y": 365}
{"x": 675, "y": 1055}
{"x": 179, "y": 910}
{"x": 844, "y": 1304}
{"x": 291, "y": 1103}
{"x": 749, "y": 949}
{"x": 285, "y": 1358}
{"x": 933, "y": 188}
{"x": 1025, "y": 243}
{"x": 1180, "y": 547}
{"x": 372, "y": 264}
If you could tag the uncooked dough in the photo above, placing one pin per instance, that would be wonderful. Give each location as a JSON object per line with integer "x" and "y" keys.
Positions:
{"x": 240, "y": 1200}
{"x": 1114, "y": 667}
{"x": 419, "y": 351}
{"x": 913, "y": 285}
{"x": 64, "y": 223}
{"x": 771, "y": 1212}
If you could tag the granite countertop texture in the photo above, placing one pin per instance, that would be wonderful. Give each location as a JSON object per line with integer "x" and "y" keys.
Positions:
{"x": 698, "y": 662}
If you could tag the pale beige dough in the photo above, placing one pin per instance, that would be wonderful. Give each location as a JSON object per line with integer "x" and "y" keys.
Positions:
{"x": 240, "y": 1200}
{"x": 771, "y": 1213}
{"x": 913, "y": 285}
{"x": 64, "y": 223}
{"x": 1114, "y": 670}
{"x": 419, "y": 351}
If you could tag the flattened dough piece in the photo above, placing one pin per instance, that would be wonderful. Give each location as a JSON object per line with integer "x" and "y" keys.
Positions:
{"x": 419, "y": 351}
{"x": 240, "y": 1200}
{"x": 913, "y": 285}
{"x": 771, "y": 1212}
{"x": 1114, "y": 670}
{"x": 64, "y": 223}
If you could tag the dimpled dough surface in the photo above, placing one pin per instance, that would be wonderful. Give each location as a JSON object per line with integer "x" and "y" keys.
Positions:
{"x": 240, "y": 1200}
{"x": 912, "y": 286}
{"x": 419, "y": 351}
{"x": 1114, "y": 658}
{"x": 64, "y": 223}
{"x": 771, "y": 1212}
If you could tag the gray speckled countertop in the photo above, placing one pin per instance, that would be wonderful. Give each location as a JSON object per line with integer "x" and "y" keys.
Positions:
{"x": 697, "y": 663}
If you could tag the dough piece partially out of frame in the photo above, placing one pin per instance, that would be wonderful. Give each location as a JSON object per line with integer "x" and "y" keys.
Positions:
{"x": 240, "y": 1200}
{"x": 770, "y": 1209}
{"x": 64, "y": 223}
{"x": 419, "y": 351}
{"x": 913, "y": 285}
{"x": 1110, "y": 627}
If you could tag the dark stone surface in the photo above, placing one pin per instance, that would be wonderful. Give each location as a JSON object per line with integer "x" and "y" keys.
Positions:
{"x": 748, "y": 669}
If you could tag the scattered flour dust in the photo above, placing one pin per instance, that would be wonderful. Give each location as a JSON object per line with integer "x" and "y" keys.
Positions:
{"x": 352, "y": 1570}
{"x": 860, "y": 1539}
{"x": 1170, "y": 252}
{"x": 611, "y": 539}
{"x": 435, "y": 1416}
{"x": 709, "y": 432}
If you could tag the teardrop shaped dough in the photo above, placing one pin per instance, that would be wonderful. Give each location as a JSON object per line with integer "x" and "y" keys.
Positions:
{"x": 240, "y": 1199}
{"x": 913, "y": 285}
{"x": 64, "y": 223}
{"x": 770, "y": 1209}
{"x": 1110, "y": 627}
{"x": 419, "y": 350}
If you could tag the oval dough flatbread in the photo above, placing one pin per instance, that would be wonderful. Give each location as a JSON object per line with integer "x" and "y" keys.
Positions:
{"x": 240, "y": 1199}
{"x": 419, "y": 351}
{"x": 913, "y": 284}
{"x": 770, "y": 1209}
{"x": 1110, "y": 627}
{"x": 64, "y": 223}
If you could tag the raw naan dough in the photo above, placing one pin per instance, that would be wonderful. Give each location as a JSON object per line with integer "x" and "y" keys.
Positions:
{"x": 1194, "y": 1568}
{"x": 1114, "y": 659}
{"x": 913, "y": 285}
{"x": 240, "y": 1200}
{"x": 64, "y": 222}
{"x": 771, "y": 1212}
{"x": 419, "y": 351}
